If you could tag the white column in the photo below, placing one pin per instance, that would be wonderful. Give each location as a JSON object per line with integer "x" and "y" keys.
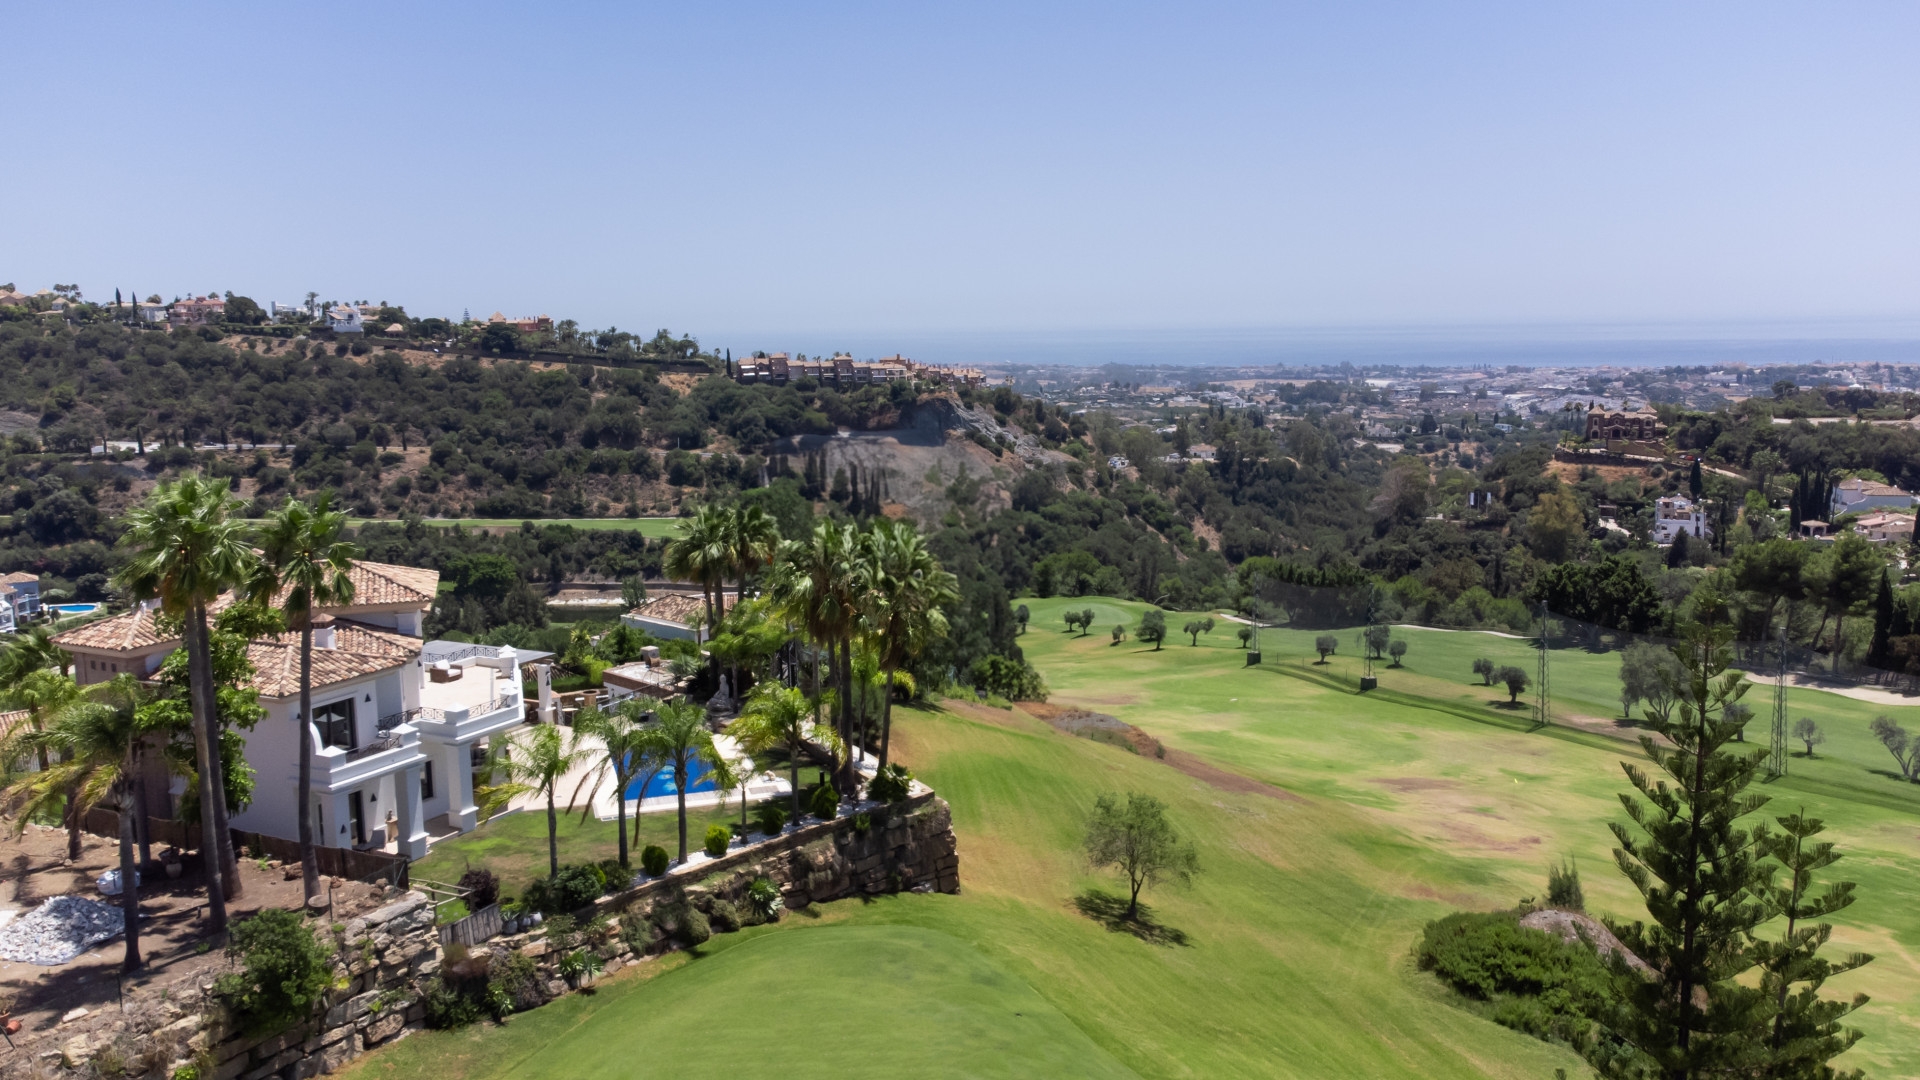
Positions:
{"x": 543, "y": 678}
{"x": 339, "y": 821}
{"x": 461, "y": 813}
{"x": 411, "y": 815}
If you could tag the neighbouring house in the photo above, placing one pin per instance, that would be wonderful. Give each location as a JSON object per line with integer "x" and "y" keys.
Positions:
{"x": 395, "y": 330}
{"x": 1200, "y": 452}
{"x": 1885, "y": 528}
{"x": 673, "y": 616}
{"x": 345, "y": 319}
{"x": 1641, "y": 425}
{"x": 1117, "y": 462}
{"x": 843, "y": 370}
{"x": 649, "y": 677}
{"x": 278, "y": 311}
{"x": 150, "y": 313}
{"x": 1857, "y": 496}
{"x": 12, "y": 297}
{"x": 22, "y": 591}
{"x": 526, "y": 324}
{"x": 196, "y": 311}
{"x": 1677, "y": 514}
{"x": 7, "y": 624}
{"x": 397, "y": 724}
{"x": 1812, "y": 529}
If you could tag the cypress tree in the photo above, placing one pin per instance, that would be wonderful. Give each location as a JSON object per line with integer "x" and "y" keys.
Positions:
{"x": 1805, "y": 1032}
{"x": 1697, "y": 868}
{"x": 1880, "y": 652}
{"x": 1677, "y": 554}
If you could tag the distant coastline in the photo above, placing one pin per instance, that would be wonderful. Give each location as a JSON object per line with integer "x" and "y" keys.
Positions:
{"x": 1893, "y": 342}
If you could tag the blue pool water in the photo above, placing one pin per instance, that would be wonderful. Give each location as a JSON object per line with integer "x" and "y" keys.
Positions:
{"x": 76, "y": 609}
{"x": 662, "y": 782}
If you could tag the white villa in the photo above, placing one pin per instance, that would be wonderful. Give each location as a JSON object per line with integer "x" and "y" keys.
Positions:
{"x": 673, "y": 616}
{"x": 1855, "y": 496}
{"x": 397, "y": 726}
{"x": 345, "y": 319}
{"x": 1678, "y": 514}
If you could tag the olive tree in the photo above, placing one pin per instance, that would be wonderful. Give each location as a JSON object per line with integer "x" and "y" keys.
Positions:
{"x": 1136, "y": 837}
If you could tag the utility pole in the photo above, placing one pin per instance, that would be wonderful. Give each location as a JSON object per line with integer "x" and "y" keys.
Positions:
{"x": 1545, "y": 715}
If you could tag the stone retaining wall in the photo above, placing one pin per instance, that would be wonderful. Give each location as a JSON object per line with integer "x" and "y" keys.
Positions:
{"x": 387, "y": 957}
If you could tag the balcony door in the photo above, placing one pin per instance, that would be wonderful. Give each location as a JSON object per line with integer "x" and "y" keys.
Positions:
{"x": 334, "y": 722}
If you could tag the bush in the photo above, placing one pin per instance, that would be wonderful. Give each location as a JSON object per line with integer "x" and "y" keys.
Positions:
{"x": 1015, "y": 680}
{"x": 718, "y": 837}
{"x": 725, "y": 917}
{"x": 696, "y": 928}
{"x": 449, "y": 1008}
{"x": 653, "y": 859}
{"x": 618, "y": 877}
{"x": 772, "y": 818}
{"x": 1563, "y": 887}
{"x": 574, "y": 888}
{"x": 482, "y": 885}
{"x": 286, "y": 971}
{"x": 1536, "y": 982}
{"x": 890, "y": 784}
{"x": 763, "y": 896}
{"x": 824, "y": 803}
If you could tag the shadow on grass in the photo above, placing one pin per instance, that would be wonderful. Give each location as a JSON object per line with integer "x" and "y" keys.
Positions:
{"x": 1111, "y": 912}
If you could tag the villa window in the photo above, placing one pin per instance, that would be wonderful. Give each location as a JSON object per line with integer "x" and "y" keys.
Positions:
{"x": 426, "y": 780}
{"x": 334, "y": 722}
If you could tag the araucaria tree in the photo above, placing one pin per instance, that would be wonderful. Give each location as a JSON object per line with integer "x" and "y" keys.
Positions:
{"x": 1700, "y": 871}
{"x": 1805, "y": 1032}
{"x": 1136, "y": 838}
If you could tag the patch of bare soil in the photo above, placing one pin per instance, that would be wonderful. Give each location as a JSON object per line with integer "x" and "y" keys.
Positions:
{"x": 1414, "y": 783}
{"x": 1108, "y": 729}
{"x": 173, "y": 938}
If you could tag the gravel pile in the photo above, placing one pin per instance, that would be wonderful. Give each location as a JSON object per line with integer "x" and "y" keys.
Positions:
{"x": 59, "y": 930}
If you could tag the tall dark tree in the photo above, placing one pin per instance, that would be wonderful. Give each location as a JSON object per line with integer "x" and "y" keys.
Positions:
{"x": 1697, "y": 866}
{"x": 1880, "y": 652}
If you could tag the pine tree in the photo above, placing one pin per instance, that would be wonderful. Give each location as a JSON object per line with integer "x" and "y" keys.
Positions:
{"x": 1696, "y": 866}
{"x": 1677, "y": 554}
{"x": 1805, "y": 1032}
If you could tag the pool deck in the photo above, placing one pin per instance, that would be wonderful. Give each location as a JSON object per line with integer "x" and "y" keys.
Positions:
{"x": 579, "y": 785}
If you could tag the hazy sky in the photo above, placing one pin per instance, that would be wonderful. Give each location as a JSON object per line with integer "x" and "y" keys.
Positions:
{"x": 735, "y": 168}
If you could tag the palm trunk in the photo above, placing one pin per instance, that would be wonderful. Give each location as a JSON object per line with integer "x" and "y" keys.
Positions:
{"x": 620, "y": 812}
{"x": 309, "y": 859}
{"x": 793, "y": 771}
{"x": 680, "y": 794}
{"x": 553, "y": 838}
{"x": 886, "y": 721}
{"x": 129, "y": 885}
{"x": 209, "y": 760}
{"x": 143, "y": 829}
{"x": 72, "y": 817}
{"x": 223, "y": 831}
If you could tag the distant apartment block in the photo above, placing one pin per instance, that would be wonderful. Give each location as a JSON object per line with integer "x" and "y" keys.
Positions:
{"x": 843, "y": 370}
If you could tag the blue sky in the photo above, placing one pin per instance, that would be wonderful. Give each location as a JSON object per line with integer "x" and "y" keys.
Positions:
{"x": 762, "y": 174}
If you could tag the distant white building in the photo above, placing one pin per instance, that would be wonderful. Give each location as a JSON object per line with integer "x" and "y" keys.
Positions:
{"x": 6, "y": 618}
{"x": 1116, "y": 462}
{"x": 1855, "y": 496}
{"x": 1678, "y": 514}
{"x": 344, "y": 319}
{"x": 278, "y": 311}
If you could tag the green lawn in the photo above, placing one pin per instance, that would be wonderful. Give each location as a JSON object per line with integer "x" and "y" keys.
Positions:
{"x": 514, "y": 846}
{"x": 646, "y": 526}
{"x": 766, "y": 1002}
{"x": 1294, "y": 951}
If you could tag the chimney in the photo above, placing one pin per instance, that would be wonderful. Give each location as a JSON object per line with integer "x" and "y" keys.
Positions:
{"x": 322, "y": 631}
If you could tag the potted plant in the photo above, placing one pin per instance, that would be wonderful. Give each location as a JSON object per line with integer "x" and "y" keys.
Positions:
{"x": 170, "y": 858}
{"x": 580, "y": 967}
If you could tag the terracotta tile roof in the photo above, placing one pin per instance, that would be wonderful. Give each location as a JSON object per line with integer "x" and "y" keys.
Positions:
{"x": 678, "y": 607}
{"x": 1869, "y": 487}
{"x": 18, "y": 577}
{"x": 131, "y": 632}
{"x": 358, "y": 650}
{"x": 373, "y": 584}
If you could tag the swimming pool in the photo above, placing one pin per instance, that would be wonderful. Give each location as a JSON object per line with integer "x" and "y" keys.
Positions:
{"x": 76, "y": 609}
{"x": 662, "y": 782}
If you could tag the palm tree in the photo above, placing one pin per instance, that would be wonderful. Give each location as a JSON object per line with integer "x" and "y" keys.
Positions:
{"x": 39, "y": 694}
{"x": 189, "y": 546}
{"x": 700, "y": 554}
{"x": 777, "y": 719}
{"x": 903, "y": 589}
{"x": 626, "y": 756}
{"x": 753, "y": 541}
{"x": 30, "y": 652}
{"x": 538, "y": 762}
{"x": 99, "y": 738}
{"x": 733, "y": 774}
{"x": 303, "y": 556}
{"x": 680, "y": 737}
{"x": 818, "y": 588}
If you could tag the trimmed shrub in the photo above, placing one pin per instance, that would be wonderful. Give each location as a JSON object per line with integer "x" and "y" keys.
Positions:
{"x": 617, "y": 877}
{"x": 725, "y": 917}
{"x": 653, "y": 859}
{"x": 718, "y": 837}
{"x": 824, "y": 803}
{"x": 1563, "y": 887}
{"x": 772, "y": 817}
{"x": 695, "y": 929}
{"x": 286, "y": 971}
{"x": 890, "y": 784}
{"x": 573, "y": 889}
{"x": 482, "y": 885}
